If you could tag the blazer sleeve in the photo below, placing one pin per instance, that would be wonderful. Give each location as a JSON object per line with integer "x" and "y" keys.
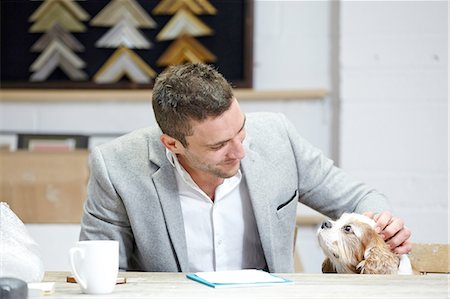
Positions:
{"x": 104, "y": 215}
{"x": 327, "y": 188}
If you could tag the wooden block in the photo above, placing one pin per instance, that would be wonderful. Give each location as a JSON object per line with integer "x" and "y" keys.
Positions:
{"x": 120, "y": 280}
{"x": 430, "y": 258}
{"x": 44, "y": 187}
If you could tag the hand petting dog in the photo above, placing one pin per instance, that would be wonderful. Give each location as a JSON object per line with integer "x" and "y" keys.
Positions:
{"x": 393, "y": 231}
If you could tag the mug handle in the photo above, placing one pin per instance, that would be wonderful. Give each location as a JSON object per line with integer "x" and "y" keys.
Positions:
{"x": 73, "y": 251}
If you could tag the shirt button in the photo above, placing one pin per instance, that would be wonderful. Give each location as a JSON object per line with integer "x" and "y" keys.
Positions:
{"x": 219, "y": 242}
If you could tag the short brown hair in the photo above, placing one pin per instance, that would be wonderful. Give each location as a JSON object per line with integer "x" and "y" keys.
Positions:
{"x": 189, "y": 92}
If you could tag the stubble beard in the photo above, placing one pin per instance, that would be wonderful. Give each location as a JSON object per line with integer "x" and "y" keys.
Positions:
{"x": 213, "y": 170}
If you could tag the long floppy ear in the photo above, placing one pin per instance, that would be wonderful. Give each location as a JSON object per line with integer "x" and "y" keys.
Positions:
{"x": 328, "y": 267}
{"x": 379, "y": 259}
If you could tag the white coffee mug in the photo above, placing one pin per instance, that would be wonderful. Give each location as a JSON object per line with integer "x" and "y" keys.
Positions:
{"x": 95, "y": 265}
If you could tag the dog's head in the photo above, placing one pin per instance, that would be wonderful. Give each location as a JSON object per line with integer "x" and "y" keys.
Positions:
{"x": 352, "y": 245}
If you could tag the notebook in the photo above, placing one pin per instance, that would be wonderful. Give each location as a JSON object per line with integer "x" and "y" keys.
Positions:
{"x": 238, "y": 278}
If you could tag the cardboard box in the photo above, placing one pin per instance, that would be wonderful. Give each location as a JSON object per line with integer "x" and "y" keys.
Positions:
{"x": 44, "y": 187}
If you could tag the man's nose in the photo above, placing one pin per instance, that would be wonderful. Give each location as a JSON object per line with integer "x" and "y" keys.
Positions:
{"x": 238, "y": 151}
{"x": 326, "y": 224}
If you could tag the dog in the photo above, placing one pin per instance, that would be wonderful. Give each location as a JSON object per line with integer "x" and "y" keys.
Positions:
{"x": 351, "y": 245}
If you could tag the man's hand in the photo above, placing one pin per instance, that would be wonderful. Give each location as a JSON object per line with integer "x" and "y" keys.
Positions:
{"x": 393, "y": 231}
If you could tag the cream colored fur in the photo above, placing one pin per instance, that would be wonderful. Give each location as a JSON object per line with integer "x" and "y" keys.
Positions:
{"x": 351, "y": 245}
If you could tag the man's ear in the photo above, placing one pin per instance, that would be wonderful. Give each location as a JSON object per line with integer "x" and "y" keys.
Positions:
{"x": 171, "y": 144}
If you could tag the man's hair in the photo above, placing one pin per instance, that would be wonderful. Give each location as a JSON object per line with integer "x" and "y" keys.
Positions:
{"x": 187, "y": 92}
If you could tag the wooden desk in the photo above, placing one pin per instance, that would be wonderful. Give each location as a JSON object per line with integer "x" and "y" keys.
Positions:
{"x": 176, "y": 285}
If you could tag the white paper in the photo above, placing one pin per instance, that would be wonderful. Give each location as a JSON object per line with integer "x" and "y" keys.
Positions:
{"x": 42, "y": 288}
{"x": 239, "y": 276}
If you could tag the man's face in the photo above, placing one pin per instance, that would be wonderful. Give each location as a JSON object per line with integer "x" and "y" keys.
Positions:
{"x": 215, "y": 147}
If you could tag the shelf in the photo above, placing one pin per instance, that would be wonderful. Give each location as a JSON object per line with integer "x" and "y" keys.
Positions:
{"x": 24, "y": 95}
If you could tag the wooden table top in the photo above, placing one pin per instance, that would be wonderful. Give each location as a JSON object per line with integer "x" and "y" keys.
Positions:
{"x": 176, "y": 285}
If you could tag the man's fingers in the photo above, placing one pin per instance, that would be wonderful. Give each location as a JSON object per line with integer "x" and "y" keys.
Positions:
{"x": 403, "y": 248}
{"x": 393, "y": 228}
{"x": 382, "y": 220}
{"x": 399, "y": 239}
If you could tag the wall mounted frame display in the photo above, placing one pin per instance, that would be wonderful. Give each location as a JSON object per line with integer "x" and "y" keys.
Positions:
{"x": 72, "y": 44}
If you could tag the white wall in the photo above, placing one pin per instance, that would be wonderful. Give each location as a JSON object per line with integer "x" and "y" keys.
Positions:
{"x": 292, "y": 48}
{"x": 392, "y": 80}
{"x": 394, "y": 106}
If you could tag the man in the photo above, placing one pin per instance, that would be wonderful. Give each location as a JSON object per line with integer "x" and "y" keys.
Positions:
{"x": 214, "y": 189}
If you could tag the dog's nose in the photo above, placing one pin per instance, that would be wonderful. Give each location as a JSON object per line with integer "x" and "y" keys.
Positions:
{"x": 326, "y": 224}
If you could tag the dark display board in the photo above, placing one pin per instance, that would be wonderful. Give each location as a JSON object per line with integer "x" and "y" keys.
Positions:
{"x": 231, "y": 44}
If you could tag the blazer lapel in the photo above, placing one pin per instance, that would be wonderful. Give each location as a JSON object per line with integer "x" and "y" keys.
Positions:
{"x": 166, "y": 187}
{"x": 253, "y": 168}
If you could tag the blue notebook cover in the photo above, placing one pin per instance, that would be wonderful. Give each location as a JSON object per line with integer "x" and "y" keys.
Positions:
{"x": 240, "y": 278}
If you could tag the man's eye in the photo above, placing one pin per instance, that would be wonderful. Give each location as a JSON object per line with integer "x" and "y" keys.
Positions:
{"x": 217, "y": 147}
{"x": 348, "y": 229}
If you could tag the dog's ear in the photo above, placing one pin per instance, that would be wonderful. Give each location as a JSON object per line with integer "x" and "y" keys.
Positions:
{"x": 328, "y": 267}
{"x": 378, "y": 257}
{"x": 378, "y": 260}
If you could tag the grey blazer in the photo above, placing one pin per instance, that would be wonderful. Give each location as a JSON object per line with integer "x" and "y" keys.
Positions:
{"x": 132, "y": 194}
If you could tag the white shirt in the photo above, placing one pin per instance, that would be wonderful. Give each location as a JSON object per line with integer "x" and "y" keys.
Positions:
{"x": 220, "y": 235}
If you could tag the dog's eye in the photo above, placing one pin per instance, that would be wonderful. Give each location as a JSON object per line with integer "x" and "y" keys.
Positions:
{"x": 347, "y": 229}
